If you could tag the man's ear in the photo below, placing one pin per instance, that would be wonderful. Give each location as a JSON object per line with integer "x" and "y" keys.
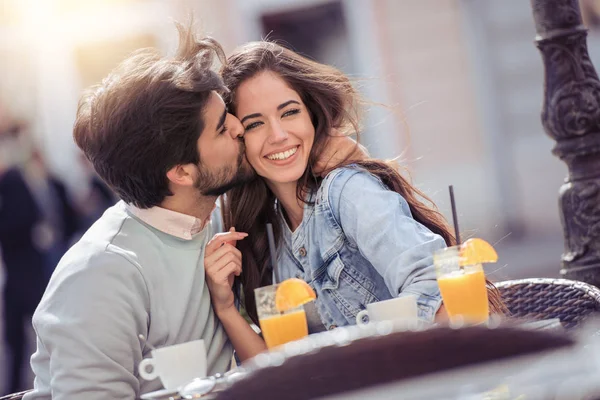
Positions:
{"x": 182, "y": 175}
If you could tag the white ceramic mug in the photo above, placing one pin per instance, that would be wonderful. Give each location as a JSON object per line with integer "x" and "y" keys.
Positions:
{"x": 176, "y": 365}
{"x": 399, "y": 308}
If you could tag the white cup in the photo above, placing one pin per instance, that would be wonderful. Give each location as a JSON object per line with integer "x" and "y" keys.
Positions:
{"x": 400, "y": 308}
{"x": 176, "y": 365}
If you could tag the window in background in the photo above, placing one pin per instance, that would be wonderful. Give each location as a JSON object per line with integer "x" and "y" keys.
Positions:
{"x": 317, "y": 31}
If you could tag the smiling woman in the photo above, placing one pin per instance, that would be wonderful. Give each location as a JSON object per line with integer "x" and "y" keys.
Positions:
{"x": 279, "y": 134}
{"x": 360, "y": 234}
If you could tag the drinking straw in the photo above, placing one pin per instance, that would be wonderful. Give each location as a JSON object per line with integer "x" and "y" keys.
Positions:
{"x": 271, "y": 238}
{"x": 454, "y": 217}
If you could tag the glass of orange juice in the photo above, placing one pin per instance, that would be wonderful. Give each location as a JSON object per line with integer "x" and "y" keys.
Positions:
{"x": 463, "y": 287}
{"x": 278, "y": 327}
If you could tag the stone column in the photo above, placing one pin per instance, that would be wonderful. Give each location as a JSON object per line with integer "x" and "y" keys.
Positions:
{"x": 571, "y": 116}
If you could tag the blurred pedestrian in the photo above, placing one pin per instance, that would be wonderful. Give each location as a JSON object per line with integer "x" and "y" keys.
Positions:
{"x": 36, "y": 221}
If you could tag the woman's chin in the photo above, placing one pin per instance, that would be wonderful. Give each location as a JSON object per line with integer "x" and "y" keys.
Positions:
{"x": 282, "y": 175}
{"x": 284, "y": 178}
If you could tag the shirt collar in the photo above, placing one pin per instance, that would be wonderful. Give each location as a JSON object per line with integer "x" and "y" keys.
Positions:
{"x": 180, "y": 225}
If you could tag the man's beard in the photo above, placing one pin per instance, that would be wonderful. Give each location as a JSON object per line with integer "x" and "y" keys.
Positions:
{"x": 217, "y": 183}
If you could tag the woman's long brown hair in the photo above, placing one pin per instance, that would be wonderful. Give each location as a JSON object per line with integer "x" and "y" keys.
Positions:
{"x": 333, "y": 103}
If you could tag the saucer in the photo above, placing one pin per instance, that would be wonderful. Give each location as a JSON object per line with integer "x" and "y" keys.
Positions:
{"x": 160, "y": 394}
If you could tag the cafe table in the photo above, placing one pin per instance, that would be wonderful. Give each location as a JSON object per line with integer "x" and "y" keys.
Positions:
{"x": 382, "y": 361}
{"x": 386, "y": 359}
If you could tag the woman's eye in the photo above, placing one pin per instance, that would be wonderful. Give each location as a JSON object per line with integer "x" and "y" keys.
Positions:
{"x": 252, "y": 126}
{"x": 291, "y": 112}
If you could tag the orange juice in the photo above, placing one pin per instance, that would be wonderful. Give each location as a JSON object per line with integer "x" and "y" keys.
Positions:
{"x": 465, "y": 293}
{"x": 280, "y": 329}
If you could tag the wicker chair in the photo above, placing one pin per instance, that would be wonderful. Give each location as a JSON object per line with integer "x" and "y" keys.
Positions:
{"x": 541, "y": 298}
{"x": 14, "y": 396}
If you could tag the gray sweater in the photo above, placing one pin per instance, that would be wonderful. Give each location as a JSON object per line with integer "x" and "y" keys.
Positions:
{"x": 122, "y": 279}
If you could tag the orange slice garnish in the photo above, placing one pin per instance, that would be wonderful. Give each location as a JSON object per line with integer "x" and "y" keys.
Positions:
{"x": 477, "y": 251}
{"x": 293, "y": 293}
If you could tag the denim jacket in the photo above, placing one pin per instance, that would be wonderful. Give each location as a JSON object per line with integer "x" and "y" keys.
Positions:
{"x": 357, "y": 244}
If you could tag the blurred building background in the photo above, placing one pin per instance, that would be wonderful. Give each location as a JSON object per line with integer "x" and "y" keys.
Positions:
{"x": 462, "y": 81}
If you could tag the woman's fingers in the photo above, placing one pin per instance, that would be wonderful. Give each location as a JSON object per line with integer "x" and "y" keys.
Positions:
{"x": 222, "y": 275}
{"x": 229, "y": 269}
{"x": 220, "y": 270}
{"x": 232, "y": 242}
{"x": 225, "y": 250}
{"x": 223, "y": 238}
{"x": 216, "y": 265}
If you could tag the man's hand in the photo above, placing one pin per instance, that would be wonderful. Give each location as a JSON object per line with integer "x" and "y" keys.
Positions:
{"x": 339, "y": 148}
{"x": 222, "y": 263}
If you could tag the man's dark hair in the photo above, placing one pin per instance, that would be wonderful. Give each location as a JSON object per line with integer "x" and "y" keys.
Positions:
{"x": 146, "y": 117}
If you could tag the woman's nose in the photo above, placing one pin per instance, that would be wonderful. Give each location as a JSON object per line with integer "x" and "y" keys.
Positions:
{"x": 277, "y": 134}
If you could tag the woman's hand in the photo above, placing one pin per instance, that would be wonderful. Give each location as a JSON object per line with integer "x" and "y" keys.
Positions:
{"x": 441, "y": 316}
{"x": 222, "y": 263}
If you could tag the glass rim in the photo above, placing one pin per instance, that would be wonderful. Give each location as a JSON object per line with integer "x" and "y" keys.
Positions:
{"x": 267, "y": 287}
{"x": 270, "y": 291}
{"x": 450, "y": 255}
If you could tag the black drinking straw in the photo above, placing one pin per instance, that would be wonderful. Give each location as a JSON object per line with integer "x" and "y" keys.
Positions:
{"x": 454, "y": 217}
{"x": 271, "y": 238}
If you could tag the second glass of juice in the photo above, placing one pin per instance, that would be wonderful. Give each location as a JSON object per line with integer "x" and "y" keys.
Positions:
{"x": 463, "y": 287}
{"x": 278, "y": 327}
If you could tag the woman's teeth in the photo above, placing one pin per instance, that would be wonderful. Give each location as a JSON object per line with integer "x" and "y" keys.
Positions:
{"x": 283, "y": 155}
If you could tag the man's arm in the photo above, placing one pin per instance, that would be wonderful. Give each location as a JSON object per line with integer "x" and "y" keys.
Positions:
{"x": 339, "y": 149}
{"x": 88, "y": 325}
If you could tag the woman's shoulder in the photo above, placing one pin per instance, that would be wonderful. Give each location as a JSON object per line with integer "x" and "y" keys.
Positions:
{"x": 348, "y": 184}
{"x": 349, "y": 177}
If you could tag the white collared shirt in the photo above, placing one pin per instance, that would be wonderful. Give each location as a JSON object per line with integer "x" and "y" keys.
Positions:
{"x": 174, "y": 223}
